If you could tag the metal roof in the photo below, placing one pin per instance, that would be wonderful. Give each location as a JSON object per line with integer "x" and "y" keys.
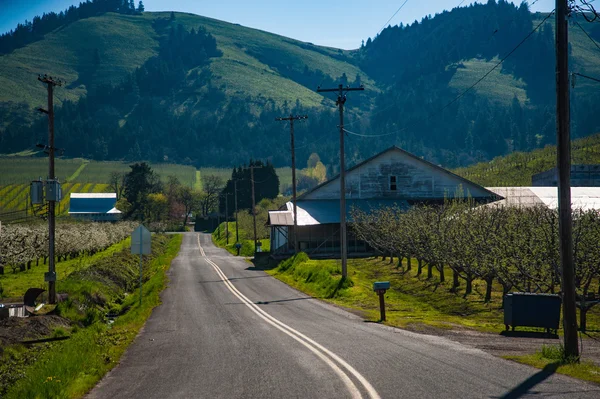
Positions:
{"x": 315, "y": 212}
{"x": 94, "y": 195}
{"x": 584, "y": 198}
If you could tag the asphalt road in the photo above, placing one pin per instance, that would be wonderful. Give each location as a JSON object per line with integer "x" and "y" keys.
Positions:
{"x": 225, "y": 330}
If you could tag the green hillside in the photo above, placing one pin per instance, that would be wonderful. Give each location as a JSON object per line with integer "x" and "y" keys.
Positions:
{"x": 125, "y": 42}
{"x": 197, "y": 91}
{"x": 517, "y": 168}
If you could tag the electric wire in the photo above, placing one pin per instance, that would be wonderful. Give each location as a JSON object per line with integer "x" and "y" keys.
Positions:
{"x": 587, "y": 77}
{"x": 587, "y": 34}
{"x": 392, "y": 17}
{"x": 462, "y": 94}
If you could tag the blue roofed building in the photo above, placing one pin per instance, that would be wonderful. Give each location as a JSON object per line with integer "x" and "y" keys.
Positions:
{"x": 97, "y": 207}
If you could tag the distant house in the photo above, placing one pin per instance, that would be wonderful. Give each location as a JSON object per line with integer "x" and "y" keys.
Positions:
{"x": 581, "y": 176}
{"x": 98, "y": 207}
{"x": 393, "y": 177}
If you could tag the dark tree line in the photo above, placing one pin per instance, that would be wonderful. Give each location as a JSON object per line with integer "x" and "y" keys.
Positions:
{"x": 266, "y": 185}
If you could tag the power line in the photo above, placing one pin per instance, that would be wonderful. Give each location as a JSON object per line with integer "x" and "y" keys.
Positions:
{"x": 392, "y": 17}
{"x": 587, "y": 34}
{"x": 461, "y": 95}
{"x": 368, "y": 135}
{"x": 587, "y": 77}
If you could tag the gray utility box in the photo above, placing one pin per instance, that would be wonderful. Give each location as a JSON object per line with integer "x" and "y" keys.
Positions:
{"x": 523, "y": 309}
{"x": 37, "y": 192}
{"x": 53, "y": 191}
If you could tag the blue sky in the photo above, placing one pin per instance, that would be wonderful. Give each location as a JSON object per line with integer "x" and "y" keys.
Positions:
{"x": 341, "y": 24}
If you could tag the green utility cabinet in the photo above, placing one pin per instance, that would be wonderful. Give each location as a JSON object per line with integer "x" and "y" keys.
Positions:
{"x": 523, "y": 309}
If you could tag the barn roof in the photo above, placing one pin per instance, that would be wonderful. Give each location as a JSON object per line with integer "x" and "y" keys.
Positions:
{"x": 316, "y": 212}
{"x": 407, "y": 154}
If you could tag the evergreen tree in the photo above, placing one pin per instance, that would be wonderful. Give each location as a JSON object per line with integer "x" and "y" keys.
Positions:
{"x": 140, "y": 6}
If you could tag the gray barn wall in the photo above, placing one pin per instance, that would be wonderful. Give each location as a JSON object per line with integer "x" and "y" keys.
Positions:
{"x": 415, "y": 179}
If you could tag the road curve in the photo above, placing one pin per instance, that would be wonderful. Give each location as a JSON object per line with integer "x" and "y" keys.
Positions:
{"x": 225, "y": 330}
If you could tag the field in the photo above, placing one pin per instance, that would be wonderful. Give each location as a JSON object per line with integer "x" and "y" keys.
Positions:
{"x": 516, "y": 169}
{"x": 85, "y": 176}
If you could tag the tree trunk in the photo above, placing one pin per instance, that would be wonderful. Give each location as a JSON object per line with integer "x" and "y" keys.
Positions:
{"x": 45, "y": 259}
{"x": 420, "y": 270}
{"x": 582, "y": 318}
{"x": 408, "y": 265}
{"x": 429, "y": 271}
{"x": 399, "y": 264}
{"x": 442, "y": 276}
{"x": 488, "y": 289}
{"x": 391, "y": 259}
{"x": 469, "y": 287}
{"x": 37, "y": 261}
{"x": 455, "y": 282}
{"x": 28, "y": 265}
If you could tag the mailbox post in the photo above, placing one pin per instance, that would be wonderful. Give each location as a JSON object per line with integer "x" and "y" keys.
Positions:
{"x": 238, "y": 246}
{"x": 380, "y": 287}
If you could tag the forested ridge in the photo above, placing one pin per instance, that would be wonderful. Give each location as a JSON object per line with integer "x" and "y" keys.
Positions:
{"x": 177, "y": 107}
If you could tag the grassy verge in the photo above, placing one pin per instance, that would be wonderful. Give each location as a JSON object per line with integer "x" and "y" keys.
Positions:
{"x": 245, "y": 239}
{"x": 414, "y": 301}
{"x": 15, "y": 284}
{"x": 70, "y": 368}
{"x": 551, "y": 360}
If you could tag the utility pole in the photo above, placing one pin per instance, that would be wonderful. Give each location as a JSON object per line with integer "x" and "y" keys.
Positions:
{"x": 252, "y": 167}
{"x": 341, "y": 100}
{"x": 291, "y": 119}
{"x": 564, "y": 178}
{"x": 50, "y": 277}
{"x": 236, "y": 214}
{"x": 227, "y": 218}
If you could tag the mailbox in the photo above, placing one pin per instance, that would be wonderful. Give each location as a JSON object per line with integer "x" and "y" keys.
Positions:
{"x": 238, "y": 245}
{"x": 381, "y": 285}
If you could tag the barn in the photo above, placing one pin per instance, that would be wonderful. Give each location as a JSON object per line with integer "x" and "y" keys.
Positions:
{"x": 98, "y": 207}
{"x": 393, "y": 177}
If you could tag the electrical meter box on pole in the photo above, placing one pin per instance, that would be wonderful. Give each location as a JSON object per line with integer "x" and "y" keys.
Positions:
{"x": 36, "y": 192}
{"x": 53, "y": 191}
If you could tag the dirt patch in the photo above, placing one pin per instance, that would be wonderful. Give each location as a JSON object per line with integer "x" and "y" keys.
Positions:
{"x": 511, "y": 343}
{"x": 16, "y": 329}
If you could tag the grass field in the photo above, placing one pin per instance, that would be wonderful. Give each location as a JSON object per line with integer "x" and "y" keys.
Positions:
{"x": 516, "y": 169}
{"x": 84, "y": 176}
{"x": 497, "y": 86}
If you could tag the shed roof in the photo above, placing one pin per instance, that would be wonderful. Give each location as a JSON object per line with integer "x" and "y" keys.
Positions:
{"x": 92, "y": 203}
{"x": 584, "y": 198}
{"x": 315, "y": 212}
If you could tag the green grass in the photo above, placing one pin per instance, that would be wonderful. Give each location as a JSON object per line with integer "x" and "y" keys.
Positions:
{"x": 244, "y": 237}
{"x": 551, "y": 359}
{"x": 413, "y": 302}
{"x": 71, "y": 368}
{"x": 15, "y": 284}
{"x": 22, "y": 170}
{"x": 516, "y": 169}
{"x": 498, "y": 86}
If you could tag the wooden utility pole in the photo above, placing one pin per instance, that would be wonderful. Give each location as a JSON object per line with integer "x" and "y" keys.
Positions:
{"x": 50, "y": 277}
{"x": 341, "y": 100}
{"x": 291, "y": 119}
{"x": 564, "y": 178}
{"x": 252, "y": 167}
{"x": 236, "y": 214}
{"x": 227, "y": 218}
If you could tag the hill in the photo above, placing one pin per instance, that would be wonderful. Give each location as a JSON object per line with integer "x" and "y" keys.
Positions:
{"x": 517, "y": 168}
{"x": 176, "y": 87}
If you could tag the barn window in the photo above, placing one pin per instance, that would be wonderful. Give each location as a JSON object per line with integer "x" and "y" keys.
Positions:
{"x": 393, "y": 181}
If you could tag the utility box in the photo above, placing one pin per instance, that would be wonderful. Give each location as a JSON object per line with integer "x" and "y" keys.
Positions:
{"x": 523, "y": 309}
{"x": 53, "y": 191}
{"x": 36, "y": 192}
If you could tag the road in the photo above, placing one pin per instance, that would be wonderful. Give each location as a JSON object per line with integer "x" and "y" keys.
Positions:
{"x": 225, "y": 330}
